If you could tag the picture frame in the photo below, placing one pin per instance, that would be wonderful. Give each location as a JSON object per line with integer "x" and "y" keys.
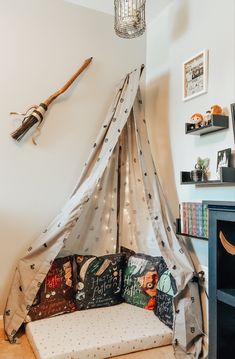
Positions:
{"x": 223, "y": 160}
{"x": 233, "y": 119}
{"x": 195, "y": 75}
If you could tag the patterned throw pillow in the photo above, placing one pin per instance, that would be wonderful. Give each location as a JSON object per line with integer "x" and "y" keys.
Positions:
{"x": 140, "y": 280}
{"x": 166, "y": 289}
{"x": 99, "y": 280}
{"x": 56, "y": 294}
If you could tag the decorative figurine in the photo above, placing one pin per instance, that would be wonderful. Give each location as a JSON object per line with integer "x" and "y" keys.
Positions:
{"x": 207, "y": 118}
{"x": 216, "y": 110}
{"x": 197, "y": 120}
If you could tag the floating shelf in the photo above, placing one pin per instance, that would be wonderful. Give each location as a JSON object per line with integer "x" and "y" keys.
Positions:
{"x": 190, "y": 236}
{"x": 218, "y": 123}
{"x": 226, "y": 296}
{"x": 227, "y": 178}
{"x": 178, "y": 231}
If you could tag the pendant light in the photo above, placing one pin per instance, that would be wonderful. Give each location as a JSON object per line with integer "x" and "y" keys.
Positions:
{"x": 129, "y": 18}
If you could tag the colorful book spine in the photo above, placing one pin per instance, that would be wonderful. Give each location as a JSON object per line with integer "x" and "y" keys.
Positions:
{"x": 186, "y": 217}
{"x": 190, "y": 220}
{"x": 194, "y": 218}
{"x": 182, "y": 217}
{"x": 199, "y": 220}
{"x": 205, "y": 220}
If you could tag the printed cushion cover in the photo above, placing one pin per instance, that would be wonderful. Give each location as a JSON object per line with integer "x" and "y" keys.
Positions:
{"x": 98, "y": 280}
{"x": 166, "y": 289}
{"x": 56, "y": 294}
{"x": 140, "y": 280}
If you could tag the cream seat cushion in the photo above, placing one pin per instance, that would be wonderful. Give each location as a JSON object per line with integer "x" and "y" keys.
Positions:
{"x": 97, "y": 333}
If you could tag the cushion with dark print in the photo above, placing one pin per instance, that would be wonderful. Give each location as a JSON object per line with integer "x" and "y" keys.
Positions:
{"x": 128, "y": 252}
{"x": 56, "y": 294}
{"x": 98, "y": 280}
{"x": 164, "y": 308}
{"x": 166, "y": 289}
{"x": 140, "y": 280}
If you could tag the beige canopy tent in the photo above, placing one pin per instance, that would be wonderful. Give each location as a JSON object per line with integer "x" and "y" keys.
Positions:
{"x": 118, "y": 201}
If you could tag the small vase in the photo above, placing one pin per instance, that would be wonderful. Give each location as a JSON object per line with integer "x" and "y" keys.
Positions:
{"x": 197, "y": 175}
{"x": 204, "y": 176}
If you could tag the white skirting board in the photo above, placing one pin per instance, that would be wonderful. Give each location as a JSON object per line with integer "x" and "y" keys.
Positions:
{"x": 97, "y": 333}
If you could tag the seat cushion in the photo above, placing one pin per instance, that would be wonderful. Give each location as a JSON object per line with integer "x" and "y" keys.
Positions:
{"x": 97, "y": 333}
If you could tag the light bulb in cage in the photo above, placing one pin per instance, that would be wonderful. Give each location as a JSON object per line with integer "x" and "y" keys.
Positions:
{"x": 129, "y": 18}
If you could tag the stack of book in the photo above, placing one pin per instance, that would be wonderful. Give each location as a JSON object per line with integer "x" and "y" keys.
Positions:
{"x": 194, "y": 219}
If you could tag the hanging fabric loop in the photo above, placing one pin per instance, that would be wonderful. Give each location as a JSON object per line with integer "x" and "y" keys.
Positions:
{"x": 26, "y": 113}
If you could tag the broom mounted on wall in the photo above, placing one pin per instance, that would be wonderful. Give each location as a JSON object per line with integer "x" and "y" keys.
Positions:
{"x": 34, "y": 115}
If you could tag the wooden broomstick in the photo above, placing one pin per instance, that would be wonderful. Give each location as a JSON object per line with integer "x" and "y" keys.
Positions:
{"x": 34, "y": 115}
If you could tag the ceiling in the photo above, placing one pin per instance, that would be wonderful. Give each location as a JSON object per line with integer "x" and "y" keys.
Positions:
{"x": 153, "y": 7}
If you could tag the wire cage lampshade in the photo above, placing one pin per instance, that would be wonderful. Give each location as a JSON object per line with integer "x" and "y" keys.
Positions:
{"x": 129, "y": 18}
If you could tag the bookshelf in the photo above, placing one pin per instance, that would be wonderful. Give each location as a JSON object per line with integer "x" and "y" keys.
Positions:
{"x": 221, "y": 281}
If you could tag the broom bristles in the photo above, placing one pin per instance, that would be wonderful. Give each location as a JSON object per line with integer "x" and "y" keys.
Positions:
{"x": 27, "y": 124}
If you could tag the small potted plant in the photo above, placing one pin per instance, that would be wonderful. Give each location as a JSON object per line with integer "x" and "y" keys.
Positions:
{"x": 200, "y": 173}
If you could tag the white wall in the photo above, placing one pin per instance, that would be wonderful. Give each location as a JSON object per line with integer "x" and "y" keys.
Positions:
{"x": 42, "y": 43}
{"x": 182, "y": 30}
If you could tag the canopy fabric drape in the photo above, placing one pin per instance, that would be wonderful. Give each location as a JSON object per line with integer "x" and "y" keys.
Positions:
{"x": 118, "y": 202}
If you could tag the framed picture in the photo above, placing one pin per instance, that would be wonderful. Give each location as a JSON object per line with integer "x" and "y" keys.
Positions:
{"x": 223, "y": 160}
{"x": 195, "y": 74}
{"x": 233, "y": 119}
